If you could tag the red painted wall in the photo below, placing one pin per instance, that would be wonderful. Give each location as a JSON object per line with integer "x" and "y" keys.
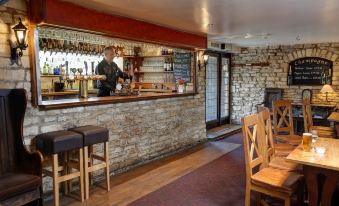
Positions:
{"x": 67, "y": 14}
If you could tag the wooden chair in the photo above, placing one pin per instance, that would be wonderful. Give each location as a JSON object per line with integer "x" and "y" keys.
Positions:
{"x": 20, "y": 170}
{"x": 308, "y": 122}
{"x": 269, "y": 150}
{"x": 283, "y": 122}
{"x": 277, "y": 183}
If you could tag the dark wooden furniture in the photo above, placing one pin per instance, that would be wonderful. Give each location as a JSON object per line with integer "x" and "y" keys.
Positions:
{"x": 20, "y": 170}
{"x": 319, "y": 116}
{"x": 308, "y": 123}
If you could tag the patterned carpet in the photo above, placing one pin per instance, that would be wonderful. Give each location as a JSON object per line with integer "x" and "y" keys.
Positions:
{"x": 221, "y": 182}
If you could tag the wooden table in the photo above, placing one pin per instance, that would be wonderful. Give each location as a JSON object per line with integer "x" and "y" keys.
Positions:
{"x": 334, "y": 117}
{"x": 314, "y": 164}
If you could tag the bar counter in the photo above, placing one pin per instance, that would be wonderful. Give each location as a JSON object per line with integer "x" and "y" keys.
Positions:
{"x": 66, "y": 103}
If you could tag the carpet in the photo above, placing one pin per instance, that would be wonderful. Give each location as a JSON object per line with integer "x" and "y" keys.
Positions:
{"x": 220, "y": 182}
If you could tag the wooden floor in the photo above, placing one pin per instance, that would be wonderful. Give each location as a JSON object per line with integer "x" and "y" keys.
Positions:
{"x": 132, "y": 185}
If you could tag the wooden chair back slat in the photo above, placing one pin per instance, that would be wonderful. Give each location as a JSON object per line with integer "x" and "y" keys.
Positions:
{"x": 252, "y": 143}
{"x": 307, "y": 113}
{"x": 283, "y": 116}
{"x": 265, "y": 120}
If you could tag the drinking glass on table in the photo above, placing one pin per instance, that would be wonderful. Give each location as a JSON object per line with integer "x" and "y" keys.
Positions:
{"x": 314, "y": 138}
{"x": 307, "y": 138}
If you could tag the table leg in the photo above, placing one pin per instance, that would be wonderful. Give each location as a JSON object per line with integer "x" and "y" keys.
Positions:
{"x": 337, "y": 129}
{"x": 312, "y": 185}
{"x": 329, "y": 187}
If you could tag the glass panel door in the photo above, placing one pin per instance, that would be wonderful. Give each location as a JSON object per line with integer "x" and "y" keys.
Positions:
{"x": 217, "y": 89}
{"x": 211, "y": 89}
{"x": 225, "y": 90}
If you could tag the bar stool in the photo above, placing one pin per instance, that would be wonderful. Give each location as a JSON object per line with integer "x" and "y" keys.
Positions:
{"x": 58, "y": 142}
{"x": 94, "y": 135}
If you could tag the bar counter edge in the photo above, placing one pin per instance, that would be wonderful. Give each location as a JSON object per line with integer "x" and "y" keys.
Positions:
{"x": 67, "y": 103}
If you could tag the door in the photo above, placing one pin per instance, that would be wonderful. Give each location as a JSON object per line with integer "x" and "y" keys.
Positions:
{"x": 217, "y": 90}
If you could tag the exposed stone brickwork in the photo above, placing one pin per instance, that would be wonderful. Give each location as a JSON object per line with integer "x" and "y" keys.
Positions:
{"x": 139, "y": 131}
{"x": 249, "y": 83}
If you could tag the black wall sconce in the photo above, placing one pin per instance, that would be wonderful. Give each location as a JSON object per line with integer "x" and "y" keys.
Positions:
{"x": 20, "y": 35}
{"x": 204, "y": 61}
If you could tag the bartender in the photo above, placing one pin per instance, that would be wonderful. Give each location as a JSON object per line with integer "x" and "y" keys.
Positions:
{"x": 111, "y": 70}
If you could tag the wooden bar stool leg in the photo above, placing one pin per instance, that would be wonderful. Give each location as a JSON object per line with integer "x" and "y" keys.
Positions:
{"x": 69, "y": 170}
{"x": 55, "y": 179}
{"x": 106, "y": 157}
{"x": 86, "y": 179}
{"x": 90, "y": 152}
{"x": 81, "y": 168}
{"x": 65, "y": 172}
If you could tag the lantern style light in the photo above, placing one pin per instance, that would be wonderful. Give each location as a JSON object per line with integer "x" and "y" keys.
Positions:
{"x": 204, "y": 61}
{"x": 20, "y": 35}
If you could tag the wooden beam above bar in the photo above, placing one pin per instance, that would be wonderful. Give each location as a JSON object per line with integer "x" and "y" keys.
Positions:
{"x": 60, "y": 13}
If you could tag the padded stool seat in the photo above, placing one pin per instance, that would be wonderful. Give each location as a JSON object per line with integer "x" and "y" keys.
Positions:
{"x": 58, "y": 142}
{"x": 92, "y": 134}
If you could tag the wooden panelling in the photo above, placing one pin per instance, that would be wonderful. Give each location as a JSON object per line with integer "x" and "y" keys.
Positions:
{"x": 66, "y": 14}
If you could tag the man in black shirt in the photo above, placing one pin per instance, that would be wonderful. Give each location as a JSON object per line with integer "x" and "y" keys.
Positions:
{"x": 111, "y": 70}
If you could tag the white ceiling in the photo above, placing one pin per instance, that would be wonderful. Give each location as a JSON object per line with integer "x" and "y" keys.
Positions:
{"x": 242, "y": 22}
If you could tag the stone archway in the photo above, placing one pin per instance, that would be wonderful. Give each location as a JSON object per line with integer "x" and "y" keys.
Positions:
{"x": 315, "y": 52}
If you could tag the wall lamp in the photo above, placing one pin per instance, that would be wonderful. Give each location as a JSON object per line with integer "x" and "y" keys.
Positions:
{"x": 16, "y": 49}
{"x": 326, "y": 89}
{"x": 204, "y": 61}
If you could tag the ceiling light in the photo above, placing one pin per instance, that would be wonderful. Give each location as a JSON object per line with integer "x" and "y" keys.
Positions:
{"x": 210, "y": 25}
{"x": 298, "y": 38}
{"x": 248, "y": 36}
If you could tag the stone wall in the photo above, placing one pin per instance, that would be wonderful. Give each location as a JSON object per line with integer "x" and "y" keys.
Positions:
{"x": 249, "y": 82}
{"x": 139, "y": 131}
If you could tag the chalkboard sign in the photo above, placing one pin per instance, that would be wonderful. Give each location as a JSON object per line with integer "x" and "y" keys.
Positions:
{"x": 310, "y": 71}
{"x": 182, "y": 66}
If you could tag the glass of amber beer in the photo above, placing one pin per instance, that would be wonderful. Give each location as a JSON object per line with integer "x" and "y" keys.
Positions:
{"x": 307, "y": 140}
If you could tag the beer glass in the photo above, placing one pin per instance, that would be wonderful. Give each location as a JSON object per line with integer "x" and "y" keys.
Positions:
{"x": 307, "y": 139}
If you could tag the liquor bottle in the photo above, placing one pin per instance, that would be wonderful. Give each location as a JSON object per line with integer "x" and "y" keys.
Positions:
{"x": 165, "y": 65}
{"x": 45, "y": 68}
{"x": 172, "y": 64}
{"x": 51, "y": 68}
{"x": 289, "y": 76}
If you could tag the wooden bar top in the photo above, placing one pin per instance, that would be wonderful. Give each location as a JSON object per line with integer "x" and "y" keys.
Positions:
{"x": 64, "y": 103}
{"x": 328, "y": 160}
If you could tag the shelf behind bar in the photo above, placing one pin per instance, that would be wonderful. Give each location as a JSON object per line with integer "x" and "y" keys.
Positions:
{"x": 156, "y": 72}
{"x": 155, "y": 56}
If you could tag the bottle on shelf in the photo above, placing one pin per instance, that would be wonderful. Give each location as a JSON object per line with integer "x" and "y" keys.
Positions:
{"x": 172, "y": 65}
{"x": 45, "y": 68}
{"x": 165, "y": 65}
{"x": 168, "y": 65}
{"x": 51, "y": 68}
